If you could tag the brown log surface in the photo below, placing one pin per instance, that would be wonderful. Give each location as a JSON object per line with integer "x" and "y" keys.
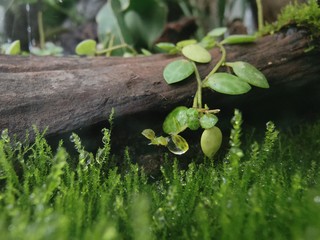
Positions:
{"x": 66, "y": 93}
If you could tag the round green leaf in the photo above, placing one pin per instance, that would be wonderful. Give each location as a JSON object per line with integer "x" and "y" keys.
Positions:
{"x": 227, "y": 83}
{"x": 177, "y": 71}
{"x": 217, "y": 32}
{"x": 86, "y": 47}
{"x": 237, "y": 39}
{"x": 207, "y": 42}
{"x": 176, "y": 121}
{"x": 249, "y": 73}
{"x": 184, "y": 43}
{"x": 167, "y": 47}
{"x": 149, "y": 133}
{"x": 196, "y": 53}
{"x": 14, "y": 48}
{"x": 208, "y": 120}
{"x": 193, "y": 119}
{"x": 178, "y": 145}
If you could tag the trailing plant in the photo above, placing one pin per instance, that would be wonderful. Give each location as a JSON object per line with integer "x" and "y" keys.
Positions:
{"x": 239, "y": 80}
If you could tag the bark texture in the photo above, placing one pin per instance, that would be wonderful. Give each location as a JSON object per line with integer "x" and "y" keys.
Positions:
{"x": 67, "y": 93}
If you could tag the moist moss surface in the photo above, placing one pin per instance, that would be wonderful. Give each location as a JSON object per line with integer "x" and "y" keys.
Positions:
{"x": 268, "y": 190}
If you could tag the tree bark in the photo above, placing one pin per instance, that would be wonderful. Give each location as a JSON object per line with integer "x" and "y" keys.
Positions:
{"x": 67, "y": 93}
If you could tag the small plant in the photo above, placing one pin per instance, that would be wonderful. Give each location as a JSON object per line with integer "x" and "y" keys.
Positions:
{"x": 239, "y": 80}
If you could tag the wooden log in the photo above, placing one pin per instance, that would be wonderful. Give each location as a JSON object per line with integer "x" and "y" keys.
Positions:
{"x": 67, "y": 93}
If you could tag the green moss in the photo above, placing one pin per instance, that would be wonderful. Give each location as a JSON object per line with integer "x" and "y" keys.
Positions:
{"x": 270, "y": 190}
{"x": 303, "y": 15}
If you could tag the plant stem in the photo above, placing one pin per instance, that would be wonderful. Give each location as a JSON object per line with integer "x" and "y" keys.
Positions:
{"x": 41, "y": 30}
{"x": 198, "y": 95}
{"x": 260, "y": 15}
{"x": 219, "y": 64}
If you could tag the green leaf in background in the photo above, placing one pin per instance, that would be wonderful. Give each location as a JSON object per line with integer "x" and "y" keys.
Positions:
{"x": 249, "y": 73}
{"x": 208, "y": 120}
{"x": 14, "y": 48}
{"x": 167, "y": 47}
{"x": 227, "y": 83}
{"x": 237, "y": 39}
{"x": 178, "y": 145}
{"x": 217, "y": 32}
{"x": 86, "y": 47}
{"x": 176, "y": 121}
{"x": 207, "y": 42}
{"x": 145, "y": 21}
{"x": 193, "y": 119}
{"x": 177, "y": 71}
{"x": 111, "y": 24}
{"x": 187, "y": 42}
{"x": 196, "y": 53}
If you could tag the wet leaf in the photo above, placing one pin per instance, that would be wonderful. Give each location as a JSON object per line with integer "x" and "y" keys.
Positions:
{"x": 196, "y": 53}
{"x": 227, "y": 83}
{"x": 86, "y": 47}
{"x": 178, "y": 145}
{"x": 193, "y": 119}
{"x": 176, "y": 121}
{"x": 208, "y": 120}
{"x": 177, "y": 71}
{"x": 237, "y": 39}
{"x": 14, "y": 48}
{"x": 149, "y": 133}
{"x": 217, "y": 32}
{"x": 249, "y": 73}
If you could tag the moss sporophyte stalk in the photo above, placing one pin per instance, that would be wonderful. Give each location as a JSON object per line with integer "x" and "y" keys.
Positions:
{"x": 199, "y": 115}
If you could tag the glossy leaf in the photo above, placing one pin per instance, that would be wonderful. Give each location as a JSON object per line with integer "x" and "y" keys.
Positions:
{"x": 14, "y": 48}
{"x": 217, "y": 32}
{"x": 177, "y": 71}
{"x": 249, "y": 73}
{"x": 149, "y": 133}
{"x": 176, "y": 121}
{"x": 193, "y": 119}
{"x": 86, "y": 47}
{"x": 187, "y": 42}
{"x": 178, "y": 145}
{"x": 227, "y": 83}
{"x": 196, "y": 53}
{"x": 208, "y": 120}
{"x": 238, "y": 39}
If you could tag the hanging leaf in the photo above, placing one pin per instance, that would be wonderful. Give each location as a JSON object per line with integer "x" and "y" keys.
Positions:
{"x": 14, "y": 48}
{"x": 193, "y": 119}
{"x": 210, "y": 141}
{"x": 177, "y": 71}
{"x": 196, "y": 53}
{"x": 249, "y": 73}
{"x": 86, "y": 47}
{"x": 176, "y": 121}
{"x": 178, "y": 145}
{"x": 208, "y": 120}
{"x": 237, "y": 39}
{"x": 149, "y": 133}
{"x": 227, "y": 83}
{"x": 217, "y": 32}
